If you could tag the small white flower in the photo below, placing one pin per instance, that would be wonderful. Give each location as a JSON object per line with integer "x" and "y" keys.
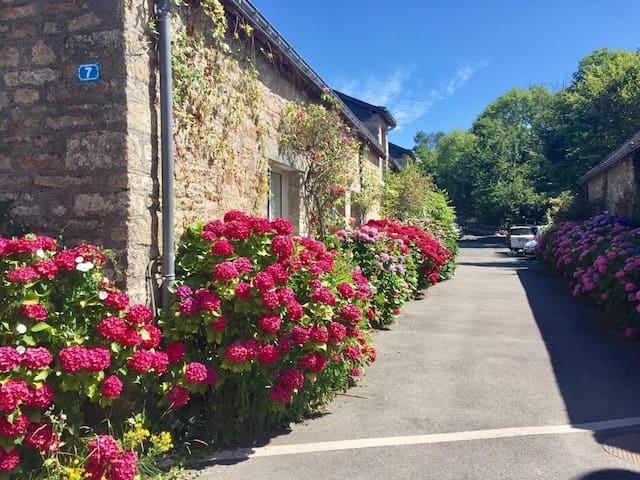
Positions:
{"x": 21, "y": 328}
{"x": 84, "y": 266}
{"x": 102, "y": 295}
{"x": 63, "y": 416}
{"x": 79, "y": 259}
{"x": 40, "y": 253}
{"x": 20, "y": 349}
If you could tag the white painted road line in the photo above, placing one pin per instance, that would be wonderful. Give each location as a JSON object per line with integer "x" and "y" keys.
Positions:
{"x": 273, "y": 450}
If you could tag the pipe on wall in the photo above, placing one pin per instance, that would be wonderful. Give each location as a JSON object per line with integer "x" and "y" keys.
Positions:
{"x": 163, "y": 15}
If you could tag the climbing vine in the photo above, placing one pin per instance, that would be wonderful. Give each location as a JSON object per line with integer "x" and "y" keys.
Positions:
{"x": 318, "y": 136}
{"x": 217, "y": 95}
{"x": 370, "y": 192}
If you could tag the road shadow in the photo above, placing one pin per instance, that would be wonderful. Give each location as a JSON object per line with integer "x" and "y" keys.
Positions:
{"x": 610, "y": 474}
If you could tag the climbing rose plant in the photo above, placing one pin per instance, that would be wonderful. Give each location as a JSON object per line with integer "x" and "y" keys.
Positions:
{"x": 319, "y": 138}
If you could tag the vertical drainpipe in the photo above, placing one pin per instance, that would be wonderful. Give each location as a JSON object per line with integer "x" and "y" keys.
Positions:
{"x": 163, "y": 11}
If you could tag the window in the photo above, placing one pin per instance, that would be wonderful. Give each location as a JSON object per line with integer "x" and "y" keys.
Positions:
{"x": 275, "y": 195}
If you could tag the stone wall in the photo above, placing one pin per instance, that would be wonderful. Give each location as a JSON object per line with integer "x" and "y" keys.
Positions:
{"x": 65, "y": 164}
{"x": 616, "y": 190}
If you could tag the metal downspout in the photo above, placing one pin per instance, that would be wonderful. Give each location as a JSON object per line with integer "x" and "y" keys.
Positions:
{"x": 163, "y": 12}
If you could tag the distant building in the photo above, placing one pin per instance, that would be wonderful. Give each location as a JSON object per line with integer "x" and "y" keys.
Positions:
{"x": 614, "y": 184}
{"x": 399, "y": 157}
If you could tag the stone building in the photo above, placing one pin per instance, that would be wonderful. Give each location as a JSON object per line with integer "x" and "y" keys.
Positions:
{"x": 79, "y": 123}
{"x": 614, "y": 184}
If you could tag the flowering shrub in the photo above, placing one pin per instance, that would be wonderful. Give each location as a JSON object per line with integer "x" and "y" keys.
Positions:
{"x": 67, "y": 336}
{"x": 601, "y": 258}
{"x": 317, "y": 134}
{"x": 268, "y": 324}
{"x": 387, "y": 263}
{"x": 428, "y": 252}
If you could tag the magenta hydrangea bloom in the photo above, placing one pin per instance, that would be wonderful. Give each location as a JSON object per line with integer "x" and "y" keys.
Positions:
{"x": 195, "y": 372}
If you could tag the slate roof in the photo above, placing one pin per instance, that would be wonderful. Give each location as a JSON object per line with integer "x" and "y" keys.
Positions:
{"x": 364, "y": 110}
{"x": 398, "y": 156}
{"x": 277, "y": 43}
{"x": 616, "y": 157}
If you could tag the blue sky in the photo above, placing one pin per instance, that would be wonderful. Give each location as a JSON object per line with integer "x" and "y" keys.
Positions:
{"x": 437, "y": 64}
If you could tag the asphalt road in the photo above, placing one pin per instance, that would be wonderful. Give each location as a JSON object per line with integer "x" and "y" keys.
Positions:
{"x": 496, "y": 374}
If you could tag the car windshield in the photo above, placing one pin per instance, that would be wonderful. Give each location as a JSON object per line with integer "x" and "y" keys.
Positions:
{"x": 521, "y": 231}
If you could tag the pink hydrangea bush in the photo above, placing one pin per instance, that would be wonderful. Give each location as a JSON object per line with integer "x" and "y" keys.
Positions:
{"x": 600, "y": 258}
{"x": 67, "y": 336}
{"x": 272, "y": 323}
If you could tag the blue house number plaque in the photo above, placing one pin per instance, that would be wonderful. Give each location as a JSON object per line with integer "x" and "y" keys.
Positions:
{"x": 88, "y": 72}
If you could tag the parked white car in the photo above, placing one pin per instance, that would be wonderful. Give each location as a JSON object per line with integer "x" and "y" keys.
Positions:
{"x": 530, "y": 246}
{"x": 519, "y": 235}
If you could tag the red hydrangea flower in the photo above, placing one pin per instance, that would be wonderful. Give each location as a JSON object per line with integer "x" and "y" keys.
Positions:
{"x": 237, "y": 229}
{"x": 9, "y": 358}
{"x": 280, "y": 393}
{"x": 117, "y": 300}
{"x": 263, "y": 281}
{"x": 319, "y": 334}
{"x": 103, "y": 450}
{"x": 323, "y": 295}
{"x": 346, "y": 290}
{"x": 269, "y": 323}
{"x": 222, "y": 247}
{"x": 195, "y": 372}
{"x": 243, "y": 290}
{"x": 225, "y": 271}
{"x": 38, "y": 357}
{"x": 130, "y": 337}
{"x": 279, "y": 272}
{"x": 351, "y": 352}
{"x": 112, "y": 328}
{"x": 355, "y": 372}
{"x": 183, "y": 291}
{"x": 216, "y": 227}
{"x": 18, "y": 427}
{"x": 351, "y": 313}
{"x": 12, "y": 393}
{"x": 139, "y": 314}
{"x": 235, "y": 215}
{"x": 220, "y": 324}
{"x": 189, "y": 306}
{"x": 243, "y": 264}
{"x": 285, "y": 296}
{"x": 268, "y": 354}
{"x": 73, "y": 358}
{"x": 40, "y": 397}
{"x": 65, "y": 259}
{"x": 299, "y": 335}
{"x": 337, "y": 331}
{"x": 282, "y": 226}
{"x": 282, "y": 246}
{"x": 41, "y": 437}
{"x": 260, "y": 225}
{"x": 253, "y": 347}
{"x": 175, "y": 351}
{"x": 212, "y": 376}
{"x": 160, "y": 362}
{"x": 124, "y": 466}
{"x": 313, "y": 361}
{"x": 270, "y": 299}
{"x": 292, "y": 378}
{"x": 295, "y": 311}
{"x": 46, "y": 268}
{"x": 236, "y": 352}
{"x": 151, "y": 336}
{"x": 37, "y": 311}
{"x": 8, "y": 460}
{"x": 208, "y": 301}
{"x": 112, "y": 387}
{"x": 284, "y": 345}
{"x": 141, "y": 361}
{"x": 22, "y": 274}
{"x": 178, "y": 396}
{"x": 98, "y": 359}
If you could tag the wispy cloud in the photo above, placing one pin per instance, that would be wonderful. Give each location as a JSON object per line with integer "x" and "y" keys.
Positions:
{"x": 405, "y": 103}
